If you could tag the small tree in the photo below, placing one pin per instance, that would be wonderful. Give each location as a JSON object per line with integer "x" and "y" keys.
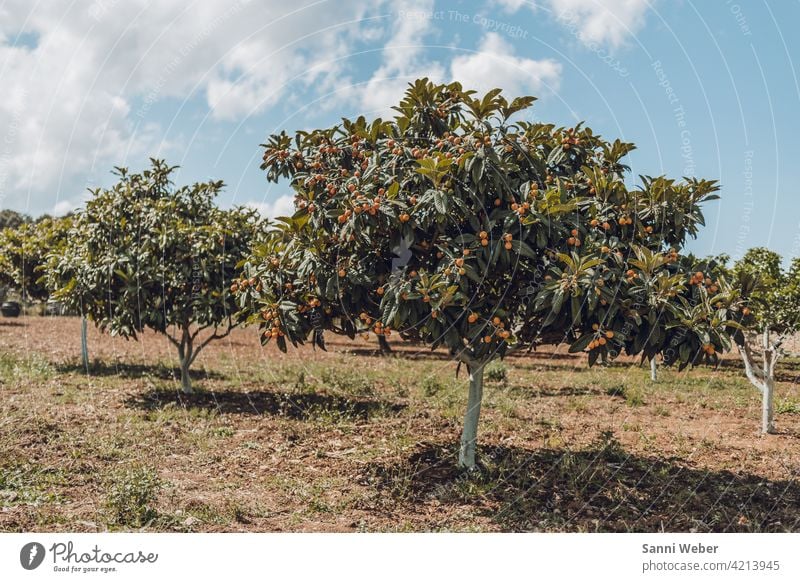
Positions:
{"x": 453, "y": 226}
{"x": 144, "y": 254}
{"x": 12, "y": 219}
{"x": 771, "y": 314}
{"x": 23, "y": 254}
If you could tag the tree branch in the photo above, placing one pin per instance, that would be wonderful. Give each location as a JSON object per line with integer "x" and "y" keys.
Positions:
{"x": 172, "y": 340}
{"x": 753, "y": 374}
{"x": 212, "y": 337}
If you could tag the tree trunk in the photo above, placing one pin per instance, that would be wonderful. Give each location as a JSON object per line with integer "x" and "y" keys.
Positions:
{"x": 469, "y": 437}
{"x": 385, "y": 348}
{"x": 185, "y": 349}
{"x": 84, "y": 344}
{"x": 762, "y": 378}
{"x": 767, "y": 419}
{"x": 767, "y": 395}
{"x": 186, "y": 380}
{"x": 653, "y": 369}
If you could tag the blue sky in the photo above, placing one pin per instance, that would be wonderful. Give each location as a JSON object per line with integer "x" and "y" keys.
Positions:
{"x": 708, "y": 89}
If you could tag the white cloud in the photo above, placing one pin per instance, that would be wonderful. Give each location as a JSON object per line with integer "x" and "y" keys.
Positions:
{"x": 83, "y": 85}
{"x": 282, "y": 206}
{"x": 402, "y": 61}
{"x": 514, "y": 5}
{"x": 610, "y": 22}
{"x": 79, "y": 92}
{"x": 63, "y": 207}
{"x": 495, "y": 65}
{"x": 405, "y": 59}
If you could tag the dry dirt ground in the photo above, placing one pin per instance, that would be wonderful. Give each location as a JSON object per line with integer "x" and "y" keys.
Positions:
{"x": 346, "y": 440}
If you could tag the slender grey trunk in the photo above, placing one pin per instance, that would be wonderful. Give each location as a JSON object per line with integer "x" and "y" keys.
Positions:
{"x": 84, "y": 344}
{"x": 469, "y": 436}
{"x": 767, "y": 396}
{"x": 767, "y": 407}
{"x": 186, "y": 380}
{"x": 763, "y": 378}
{"x": 185, "y": 353}
{"x": 653, "y": 369}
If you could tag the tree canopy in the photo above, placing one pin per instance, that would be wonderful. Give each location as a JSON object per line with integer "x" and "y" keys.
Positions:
{"x": 23, "y": 254}
{"x": 146, "y": 254}
{"x": 456, "y": 226}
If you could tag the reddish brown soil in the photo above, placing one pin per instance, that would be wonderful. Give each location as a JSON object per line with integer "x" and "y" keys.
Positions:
{"x": 347, "y": 441}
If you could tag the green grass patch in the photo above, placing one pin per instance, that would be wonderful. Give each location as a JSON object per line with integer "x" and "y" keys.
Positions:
{"x": 28, "y": 484}
{"x": 787, "y": 406}
{"x": 131, "y": 496}
{"x": 28, "y": 368}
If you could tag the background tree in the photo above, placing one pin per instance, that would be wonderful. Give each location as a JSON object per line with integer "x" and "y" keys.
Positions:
{"x": 23, "y": 254}
{"x": 453, "y": 226}
{"x": 713, "y": 271}
{"x": 144, "y": 254}
{"x": 12, "y": 219}
{"x": 770, "y": 316}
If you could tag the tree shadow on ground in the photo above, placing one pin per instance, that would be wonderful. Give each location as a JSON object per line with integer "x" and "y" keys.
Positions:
{"x": 539, "y": 392}
{"x": 787, "y": 372}
{"x": 787, "y": 364}
{"x": 602, "y": 488}
{"x": 787, "y": 378}
{"x": 403, "y": 353}
{"x": 126, "y": 370}
{"x": 11, "y": 323}
{"x": 296, "y": 406}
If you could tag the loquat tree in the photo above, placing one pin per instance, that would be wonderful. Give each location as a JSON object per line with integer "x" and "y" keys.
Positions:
{"x": 145, "y": 254}
{"x": 12, "y": 219}
{"x": 23, "y": 254}
{"x": 769, "y": 316}
{"x": 455, "y": 226}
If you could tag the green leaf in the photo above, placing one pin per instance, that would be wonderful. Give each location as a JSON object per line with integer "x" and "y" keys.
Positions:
{"x": 581, "y": 343}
